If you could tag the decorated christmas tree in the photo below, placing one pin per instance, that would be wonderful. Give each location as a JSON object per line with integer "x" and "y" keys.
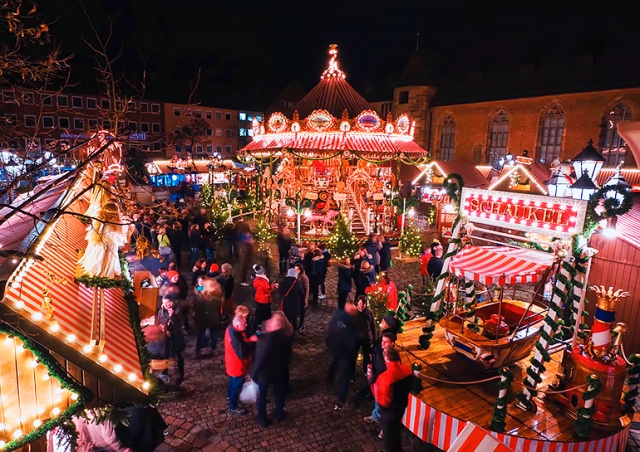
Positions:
{"x": 378, "y": 299}
{"x": 206, "y": 195}
{"x": 263, "y": 232}
{"x": 342, "y": 242}
{"x": 411, "y": 242}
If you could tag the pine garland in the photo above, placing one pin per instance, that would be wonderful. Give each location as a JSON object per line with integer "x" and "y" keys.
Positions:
{"x": 402, "y": 312}
{"x": 56, "y": 371}
{"x": 584, "y": 422}
{"x": 342, "y": 242}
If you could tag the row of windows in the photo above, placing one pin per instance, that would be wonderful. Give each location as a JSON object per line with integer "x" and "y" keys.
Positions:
{"x": 91, "y": 103}
{"x": 200, "y": 149}
{"x": 177, "y": 112}
{"x": 49, "y": 122}
{"x": 550, "y": 132}
{"x": 242, "y": 116}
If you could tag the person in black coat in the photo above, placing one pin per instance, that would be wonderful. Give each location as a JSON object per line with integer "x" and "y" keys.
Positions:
{"x": 362, "y": 278}
{"x": 284, "y": 242}
{"x": 206, "y": 309}
{"x": 292, "y": 294}
{"x": 271, "y": 364}
{"x": 144, "y": 430}
{"x": 326, "y": 255}
{"x": 176, "y": 237}
{"x": 342, "y": 342}
{"x": 366, "y": 326}
{"x": 167, "y": 318}
{"x": 385, "y": 253}
{"x": 344, "y": 282}
{"x": 434, "y": 267}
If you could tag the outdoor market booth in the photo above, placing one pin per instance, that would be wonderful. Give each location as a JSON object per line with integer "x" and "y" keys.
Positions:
{"x": 171, "y": 173}
{"x": 334, "y": 154}
{"x": 69, "y": 334}
{"x": 518, "y": 267}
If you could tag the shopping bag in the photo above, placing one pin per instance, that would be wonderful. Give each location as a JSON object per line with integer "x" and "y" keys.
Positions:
{"x": 249, "y": 393}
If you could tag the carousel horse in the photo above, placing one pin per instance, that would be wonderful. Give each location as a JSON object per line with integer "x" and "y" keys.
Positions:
{"x": 326, "y": 219}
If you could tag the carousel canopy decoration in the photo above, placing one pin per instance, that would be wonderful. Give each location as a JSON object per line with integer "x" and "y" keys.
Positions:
{"x": 334, "y": 120}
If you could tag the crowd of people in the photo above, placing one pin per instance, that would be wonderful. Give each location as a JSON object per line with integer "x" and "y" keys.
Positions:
{"x": 258, "y": 342}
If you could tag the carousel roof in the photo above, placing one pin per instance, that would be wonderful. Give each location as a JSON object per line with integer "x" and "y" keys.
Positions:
{"x": 334, "y": 118}
{"x": 333, "y": 93}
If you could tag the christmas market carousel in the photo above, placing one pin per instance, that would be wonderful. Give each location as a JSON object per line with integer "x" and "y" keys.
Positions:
{"x": 333, "y": 154}
{"x": 506, "y": 355}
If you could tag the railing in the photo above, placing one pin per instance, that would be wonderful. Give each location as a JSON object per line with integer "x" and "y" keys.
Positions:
{"x": 361, "y": 208}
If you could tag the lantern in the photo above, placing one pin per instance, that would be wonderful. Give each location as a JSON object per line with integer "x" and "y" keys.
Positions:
{"x": 583, "y": 188}
{"x": 588, "y": 161}
{"x": 618, "y": 186}
{"x": 558, "y": 185}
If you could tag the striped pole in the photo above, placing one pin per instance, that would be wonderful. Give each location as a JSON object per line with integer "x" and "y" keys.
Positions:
{"x": 579, "y": 293}
{"x": 470, "y": 298}
{"x": 584, "y": 422}
{"x": 547, "y": 332}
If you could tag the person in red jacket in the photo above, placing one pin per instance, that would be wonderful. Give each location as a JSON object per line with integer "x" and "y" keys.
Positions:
{"x": 390, "y": 289}
{"x": 237, "y": 356}
{"x": 262, "y": 288}
{"x": 425, "y": 257}
{"x": 391, "y": 391}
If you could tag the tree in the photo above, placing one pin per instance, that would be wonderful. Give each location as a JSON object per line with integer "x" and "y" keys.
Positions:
{"x": 411, "y": 241}
{"x": 342, "y": 242}
{"x": 189, "y": 134}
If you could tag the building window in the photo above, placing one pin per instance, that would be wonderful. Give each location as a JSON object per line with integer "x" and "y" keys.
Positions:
{"x": 209, "y": 132}
{"x": 249, "y": 118}
{"x": 612, "y": 146}
{"x": 63, "y": 101}
{"x": 64, "y": 123}
{"x": 176, "y": 111}
{"x": 209, "y": 149}
{"x": 76, "y": 101}
{"x": 155, "y": 108}
{"x": 227, "y": 149}
{"x": 199, "y": 149}
{"x": 105, "y": 104}
{"x": 228, "y": 133}
{"x": 259, "y": 118}
{"x": 218, "y": 116}
{"x": 550, "y": 135}
{"x": 187, "y": 112}
{"x": 218, "y": 149}
{"x": 478, "y": 156}
{"x": 227, "y": 116}
{"x": 219, "y": 132}
{"x": 92, "y": 103}
{"x": 208, "y": 114}
{"x": 132, "y": 106}
{"x": 155, "y": 127}
{"x": 11, "y": 120}
{"x": 144, "y": 107}
{"x": 242, "y": 132}
{"x": 403, "y": 97}
{"x": 7, "y": 96}
{"x": 498, "y": 138}
{"x": 106, "y": 124}
{"x": 48, "y": 122}
{"x": 133, "y": 126}
{"x": 447, "y": 139}
{"x": 119, "y": 105}
{"x": 29, "y": 98}
{"x": 250, "y": 132}
{"x": 29, "y": 120}
{"x": 47, "y": 100}
{"x": 157, "y": 146}
{"x": 78, "y": 123}
{"x": 93, "y": 124}
{"x": 242, "y": 116}
{"x": 120, "y": 126}
{"x": 144, "y": 127}
{"x": 198, "y": 113}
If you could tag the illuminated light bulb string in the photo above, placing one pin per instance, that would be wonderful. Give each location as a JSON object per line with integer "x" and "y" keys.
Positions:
{"x": 333, "y": 71}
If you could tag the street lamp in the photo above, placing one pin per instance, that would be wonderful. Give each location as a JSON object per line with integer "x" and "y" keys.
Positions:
{"x": 588, "y": 161}
{"x": 558, "y": 185}
{"x": 618, "y": 186}
{"x": 583, "y": 188}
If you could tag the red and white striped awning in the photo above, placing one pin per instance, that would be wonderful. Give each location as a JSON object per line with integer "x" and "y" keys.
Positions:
{"x": 501, "y": 265}
{"x": 73, "y": 302}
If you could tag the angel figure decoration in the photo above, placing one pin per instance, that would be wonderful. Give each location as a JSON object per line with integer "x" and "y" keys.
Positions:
{"x": 104, "y": 237}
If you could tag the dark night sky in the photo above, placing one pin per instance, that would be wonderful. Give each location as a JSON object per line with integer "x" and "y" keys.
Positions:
{"x": 249, "y": 50}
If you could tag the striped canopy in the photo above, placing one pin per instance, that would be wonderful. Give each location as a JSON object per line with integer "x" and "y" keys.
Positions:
{"x": 501, "y": 265}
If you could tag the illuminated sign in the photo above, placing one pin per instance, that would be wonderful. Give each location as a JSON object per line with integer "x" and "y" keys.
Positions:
{"x": 555, "y": 217}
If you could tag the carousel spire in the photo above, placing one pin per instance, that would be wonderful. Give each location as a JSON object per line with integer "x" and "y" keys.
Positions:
{"x": 333, "y": 70}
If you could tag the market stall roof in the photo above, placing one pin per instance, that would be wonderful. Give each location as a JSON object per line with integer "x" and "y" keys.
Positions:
{"x": 631, "y": 175}
{"x": 470, "y": 174}
{"x": 536, "y": 174}
{"x": 501, "y": 265}
{"x": 191, "y": 165}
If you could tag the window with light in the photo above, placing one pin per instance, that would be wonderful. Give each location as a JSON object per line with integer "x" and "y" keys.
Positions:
{"x": 447, "y": 139}
{"x": 498, "y": 138}
{"x": 612, "y": 146}
{"x": 550, "y": 134}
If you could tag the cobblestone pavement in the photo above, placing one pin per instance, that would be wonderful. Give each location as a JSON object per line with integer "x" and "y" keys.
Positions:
{"x": 198, "y": 418}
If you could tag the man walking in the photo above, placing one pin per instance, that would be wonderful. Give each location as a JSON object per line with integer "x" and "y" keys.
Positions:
{"x": 342, "y": 342}
{"x": 391, "y": 391}
{"x": 237, "y": 356}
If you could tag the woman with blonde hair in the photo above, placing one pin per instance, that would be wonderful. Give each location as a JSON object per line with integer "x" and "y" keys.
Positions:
{"x": 271, "y": 364}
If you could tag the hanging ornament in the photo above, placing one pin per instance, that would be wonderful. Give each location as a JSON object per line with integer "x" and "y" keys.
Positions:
{"x": 47, "y": 306}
